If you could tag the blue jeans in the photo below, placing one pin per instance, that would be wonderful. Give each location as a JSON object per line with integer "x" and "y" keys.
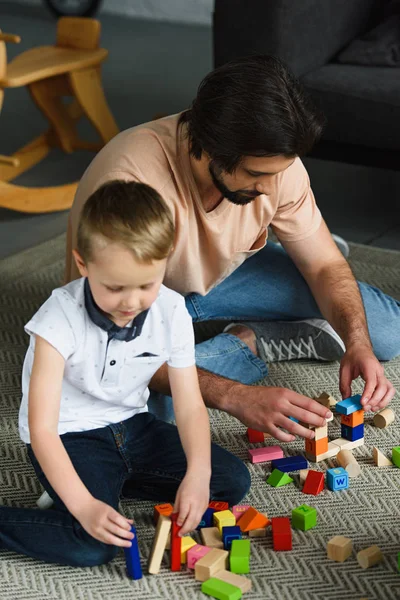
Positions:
{"x": 269, "y": 287}
{"x": 141, "y": 457}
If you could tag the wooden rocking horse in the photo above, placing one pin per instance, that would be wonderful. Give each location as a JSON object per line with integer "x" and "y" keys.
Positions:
{"x": 70, "y": 68}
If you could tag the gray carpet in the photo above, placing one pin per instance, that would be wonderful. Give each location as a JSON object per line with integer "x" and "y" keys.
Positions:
{"x": 368, "y": 512}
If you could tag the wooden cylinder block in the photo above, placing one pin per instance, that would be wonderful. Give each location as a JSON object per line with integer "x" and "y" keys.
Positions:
{"x": 384, "y": 418}
{"x": 346, "y": 460}
{"x": 369, "y": 557}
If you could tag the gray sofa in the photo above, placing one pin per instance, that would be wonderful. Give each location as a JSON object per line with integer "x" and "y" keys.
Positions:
{"x": 361, "y": 103}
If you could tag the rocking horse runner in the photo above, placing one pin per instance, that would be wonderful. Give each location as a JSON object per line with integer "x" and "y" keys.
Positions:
{"x": 70, "y": 68}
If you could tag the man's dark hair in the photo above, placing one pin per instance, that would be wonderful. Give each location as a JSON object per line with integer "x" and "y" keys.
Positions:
{"x": 251, "y": 106}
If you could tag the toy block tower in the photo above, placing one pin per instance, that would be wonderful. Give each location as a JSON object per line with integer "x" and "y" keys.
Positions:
{"x": 352, "y": 418}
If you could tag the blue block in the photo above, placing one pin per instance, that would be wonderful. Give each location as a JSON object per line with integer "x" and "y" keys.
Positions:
{"x": 337, "y": 479}
{"x": 132, "y": 558}
{"x": 207, "y": 519}
{"x": 293, "y": 419}
{"x": 230, "y": 533}
{"x": 353, "y": 433}
{"x": 287, "y": 465}
{"x": 349, "y": 405}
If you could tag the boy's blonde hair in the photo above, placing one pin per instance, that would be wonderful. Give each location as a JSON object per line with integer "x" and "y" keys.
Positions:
{"x": 130, "y": 213}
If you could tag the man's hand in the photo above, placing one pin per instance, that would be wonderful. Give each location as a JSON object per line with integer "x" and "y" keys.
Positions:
{"x": 361, "y": 361}
{"x": 268, "y": 409}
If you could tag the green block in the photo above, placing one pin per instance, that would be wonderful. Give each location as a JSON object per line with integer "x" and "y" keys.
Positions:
{"x": 277, "y": 478}
{"x": 240, "y": 556}
{"x": 220, "y": 589}
{"x": 396, "y": 456}
{"x": 304, "y": 517}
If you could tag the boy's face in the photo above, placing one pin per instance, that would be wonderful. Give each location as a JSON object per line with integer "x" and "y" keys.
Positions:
{"x": 121, "y": 286}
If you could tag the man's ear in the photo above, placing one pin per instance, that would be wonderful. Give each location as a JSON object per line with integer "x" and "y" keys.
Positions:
{"x": 80, "y": 263}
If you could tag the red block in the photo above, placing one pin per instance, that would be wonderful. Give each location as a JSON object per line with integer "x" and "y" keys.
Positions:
{"x": 218, "y": 506}
{"x": 281, "y": 533}
{"x": 255, "y": 436}
{"x": 314, "y": 483}
{"x": 176, "y": 543}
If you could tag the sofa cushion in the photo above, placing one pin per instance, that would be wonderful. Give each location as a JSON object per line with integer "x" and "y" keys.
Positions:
{"x": 381, "y": 46}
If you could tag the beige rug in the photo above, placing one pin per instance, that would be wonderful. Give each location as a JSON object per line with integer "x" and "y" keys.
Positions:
{"x": 368, "y": 512}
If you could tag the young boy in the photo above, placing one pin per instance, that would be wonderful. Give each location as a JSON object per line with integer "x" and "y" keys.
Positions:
{"x": 94, "y": 346}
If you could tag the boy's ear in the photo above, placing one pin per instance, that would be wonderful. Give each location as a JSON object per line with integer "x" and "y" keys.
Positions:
{"x": 79, "y": 263}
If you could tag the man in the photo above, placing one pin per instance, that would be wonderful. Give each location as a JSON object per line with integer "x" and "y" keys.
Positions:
{"x": 229, "y": 167}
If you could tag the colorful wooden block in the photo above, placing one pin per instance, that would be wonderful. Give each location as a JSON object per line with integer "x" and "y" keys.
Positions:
{"x": 349, "y": 405}
{"x": 239, "y": 510}
{"x": 289, "y": 464}
{"x": 321, "y": 433}
{"x": 354, "y": 419}
{"x": 337, "y": 479}
{"x": 243, "y": 583}
{"x": 317, "y": 447}
{"x": 339, "y": 548}
{"x": 265, "y": 454}
{"x": 304, "y": 517}
{"x": 159, "y": 543}
{"x": 396, "y": 456}
{"x": 207, "y": 519}
{"x": 325, "y": 400}
{"x": 303, "y": 476}
{"x": 380, "y": 459}
{"x": 176, "y": 544}
{"x": 133, "y": 567}
{"x": 346, "y": 460}
{"x": 352, "y": 433}
{"x": 218, "y": 505}
{"x": 239, "y": 559}
{"x": 187, "y": 542}
{"x": 214, "y": 561}
{"x": 369, "y": 557}
{"x": 259, "y": 532}
{"x": 252, "y": 519}
{"x": 343, "y": 444}
{"x": 220, "y": 589}
{"x": 223, "y": 518}
{"x": 384, "y": 418}
{"x": 195, "y": 553}
{"x": 314, "y": 483}
{"x": 333, "y": 449}
{"x": 294, "y": 419}
{"x": 162, "y": 509}
{"x": 281, "y": 533}
{"x": 255, "y": 436}
{"x": 277, "y": 478}
{"x": 211, "y": 537}
{"x": 230, "y": 533}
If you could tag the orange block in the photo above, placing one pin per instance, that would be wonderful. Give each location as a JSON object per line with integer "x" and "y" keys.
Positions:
{"x": 162, "y": 509}
{"x": 252, "y": 519}
{"x": 356, "y": 418}
{"x": 316, "y": 447}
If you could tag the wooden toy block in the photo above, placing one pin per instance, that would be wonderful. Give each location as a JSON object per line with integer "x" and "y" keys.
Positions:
{"x": 133, "y": 567}
{"x": 224, "y": 518}
{"x": 187, "y": 542}
{"x": 384, "y": 418}
{"x": 252, "y": 519}
{"x": 314, "y": 483}
{"x": 211, "y": 537}
{"x": 195, "y": 553}
{"x": 277, "y": 478}
{"x": 346, "y": 444}
{"x": 321, "y": 433}
{"x": 346, "y": 460}
{"x": 239, "y": 510}
{"x": 356, "y": 418}
{"x": 339, "y": 548}
{"x": 289, "y": 464}
{"x": 239, "y": 559}
{"x": 243, "y": 583}
{"x": 317, "y": 447}
{"x": 221, "y": 590}
{"x": 159, "y": 544}
{"x": 214, "y": 561}
{"x": 302, "y": 475}
{"x": 162, "y": 509}
{"x": 294, "y": 419}
{"x": 265, "y": 454}
{"x": 352, "y": 433}
{"x": 369, "y": 557}
{"x": 380, "y": 459}
{"x": 396, "y": 456}
{"x": 255, "y": 436}
{"x": 168, "y": 546}
{"x": 304, "y": 517}
{"x": 230, "y": 533}
{"x": 176, "y": 544}
{"x": 218, "y": 506}
{"x": 349, "y": 405}
{"x": 281, "y": 533}
{"x": 324, "y": 398}
{"x": 333, "y": 449}
{"x": 207, "y": 519}
{"x": 337, "y": 479}
{"x": 259, "y": 532}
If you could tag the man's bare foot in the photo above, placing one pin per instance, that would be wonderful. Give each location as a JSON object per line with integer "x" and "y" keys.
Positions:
{"x": 246, "y": 335}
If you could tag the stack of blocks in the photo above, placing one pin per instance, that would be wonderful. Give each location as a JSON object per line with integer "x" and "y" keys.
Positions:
{"x": 352, "y": 419}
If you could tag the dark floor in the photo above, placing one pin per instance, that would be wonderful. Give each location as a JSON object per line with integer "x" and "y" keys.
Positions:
{"x": 156, "y": 67}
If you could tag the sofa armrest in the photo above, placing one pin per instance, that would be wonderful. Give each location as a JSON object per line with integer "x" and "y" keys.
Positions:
{"x": 305, "y": 34}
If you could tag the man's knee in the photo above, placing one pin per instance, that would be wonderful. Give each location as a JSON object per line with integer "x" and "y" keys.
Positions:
{"x": 386, "y": 341}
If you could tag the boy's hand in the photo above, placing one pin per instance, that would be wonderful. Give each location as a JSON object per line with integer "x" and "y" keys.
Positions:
{"x": 191, "y": 501}
{"x": 105, "y": 524}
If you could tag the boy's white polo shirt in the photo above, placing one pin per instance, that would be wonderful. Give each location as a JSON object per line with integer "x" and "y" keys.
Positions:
{"x": 105, "y": 381}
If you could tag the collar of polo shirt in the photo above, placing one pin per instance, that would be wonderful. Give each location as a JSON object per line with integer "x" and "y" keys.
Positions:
{"x": 114, "y": 331}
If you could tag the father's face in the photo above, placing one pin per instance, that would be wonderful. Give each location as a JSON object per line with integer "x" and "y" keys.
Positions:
{"x": 254, "y": 176}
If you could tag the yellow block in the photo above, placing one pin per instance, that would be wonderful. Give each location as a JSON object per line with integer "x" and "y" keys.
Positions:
{"x": 224, "y": 518}
{"x": 186, "y": 543}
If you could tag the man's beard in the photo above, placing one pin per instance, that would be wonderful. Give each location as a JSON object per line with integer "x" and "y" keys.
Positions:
{"x": 240, "y": 197}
